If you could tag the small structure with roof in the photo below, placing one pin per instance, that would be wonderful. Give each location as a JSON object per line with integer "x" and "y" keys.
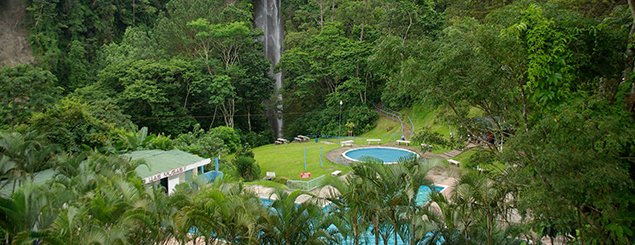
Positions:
{"x": 167, "y": 168}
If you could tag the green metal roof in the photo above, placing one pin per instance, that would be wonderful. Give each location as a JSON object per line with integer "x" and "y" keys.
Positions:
{"x": 160, "y": 161}
{"x": 39, "y": 178}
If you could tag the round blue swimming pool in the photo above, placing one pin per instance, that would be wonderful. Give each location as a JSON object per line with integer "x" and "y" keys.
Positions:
{"x": 386, "y": 154}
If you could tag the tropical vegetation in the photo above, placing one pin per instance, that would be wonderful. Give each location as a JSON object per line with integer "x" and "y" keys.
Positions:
{"x": 542, "y": 89}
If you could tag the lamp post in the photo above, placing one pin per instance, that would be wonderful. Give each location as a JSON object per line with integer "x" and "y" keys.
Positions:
{"x": 339, "y": 130}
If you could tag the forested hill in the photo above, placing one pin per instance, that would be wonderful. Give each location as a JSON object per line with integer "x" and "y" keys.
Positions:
{"x": 169, "y": 65}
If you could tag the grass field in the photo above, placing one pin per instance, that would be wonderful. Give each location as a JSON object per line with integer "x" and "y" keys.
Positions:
{"x": 288, "y": 160}
{"x": 422, "y": 116}
{"x": 384, "y": 127}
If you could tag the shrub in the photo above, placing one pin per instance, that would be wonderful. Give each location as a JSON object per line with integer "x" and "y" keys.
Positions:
{"x": 228, "y": 135}
{"x": 247, "y": 168}
{"x": 256, "y": 139}
{"x": 245, "y": 151}
{"x": 281, "y": 180}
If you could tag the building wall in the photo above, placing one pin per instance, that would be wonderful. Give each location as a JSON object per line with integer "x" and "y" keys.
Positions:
{"x": 175, "y": 180}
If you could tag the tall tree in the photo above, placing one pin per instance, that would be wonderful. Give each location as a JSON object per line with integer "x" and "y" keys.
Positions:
{"x": 154, "y": 93}
{"x": 291, "y": 223}
{"x": 24, "y": 90}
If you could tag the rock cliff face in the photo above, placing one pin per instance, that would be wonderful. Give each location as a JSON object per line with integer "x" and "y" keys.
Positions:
{"x": 14, "y": 45}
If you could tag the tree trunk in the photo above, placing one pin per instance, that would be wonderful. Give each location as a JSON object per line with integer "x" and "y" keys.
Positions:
{"x": 630, "y": 51}
{"x": 187, "y": 94}
{"x": 213, "y": 119}
{"x": 578, "y": 209}
{"x": 322, "y": 16}
{"x": 249, "y": 118}
{"x": 376, "y": 229}
{"x": 405, "y": 37}
{"x": 355, "y": 233}
{"x": 321, "y": 4}
{"x": 333, "y": 12}
{"x": 361, "y": 36}
{"x": 489, "y": 230}
{"x": 394, "y": 216}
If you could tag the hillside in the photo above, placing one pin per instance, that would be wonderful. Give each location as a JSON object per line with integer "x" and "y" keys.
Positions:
{"x": 14, "y": 45}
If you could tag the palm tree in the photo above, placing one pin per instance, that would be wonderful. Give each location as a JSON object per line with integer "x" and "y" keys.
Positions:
{"x": 472, "y": 215}
{"x": 413, "y": 228}
{"x": 156, "y": 219}
{"x": 394, "y": 187}
{"x": 223, "y": 211}
{"x": 28, "y": 210}
{"x": 484, "y": 198}
{"x": 104, "y": 203}
{"x": 292, "y": 223}
{"x": 27, "y": 152}
{"x": 349, "y": 208}
{"x": 6, "y": 171}
{"x": 383, "y": 195}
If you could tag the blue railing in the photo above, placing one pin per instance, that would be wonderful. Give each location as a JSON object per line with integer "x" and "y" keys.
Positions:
{"x": 412, "y": 127}
{"x": 392, "y": 136}
{"x": 399, "y": 116}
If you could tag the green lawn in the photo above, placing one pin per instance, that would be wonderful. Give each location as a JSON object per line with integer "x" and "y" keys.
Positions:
{"x": 268, "y": 183}
{"x": 424, "y": 116}
{"x": 465, "y": 156}
{"x": 288, "y": 160}
{"x": 384, "y": 127}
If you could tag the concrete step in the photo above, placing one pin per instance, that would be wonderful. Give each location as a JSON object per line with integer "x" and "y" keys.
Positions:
{"x": 452, "y": 153}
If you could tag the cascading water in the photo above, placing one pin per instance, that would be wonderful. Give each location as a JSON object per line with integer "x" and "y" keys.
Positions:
{"x": 267, "y": 17}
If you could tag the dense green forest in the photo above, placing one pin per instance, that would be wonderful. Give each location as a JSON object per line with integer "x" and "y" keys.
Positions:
{"x": 551, "y": 82}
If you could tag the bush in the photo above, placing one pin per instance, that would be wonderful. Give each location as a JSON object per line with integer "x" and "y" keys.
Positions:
{"x": 322, "y": 121}
{"x": 247, "y": 168}
{"x": 223, "y": 165}
{"x": 71, "y": 124}
{"x": 281, "y": 180}
{"x": 256, "y": 139}
{"x": 228, "y": 135}
{"x": 245, "y": 151}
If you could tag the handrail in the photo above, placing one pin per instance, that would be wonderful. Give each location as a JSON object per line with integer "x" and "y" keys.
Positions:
{"x": 392, "y": 114}
{"x": 412, "y": 126}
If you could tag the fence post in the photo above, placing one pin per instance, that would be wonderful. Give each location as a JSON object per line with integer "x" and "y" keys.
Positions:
{"x": 320, "y": 157}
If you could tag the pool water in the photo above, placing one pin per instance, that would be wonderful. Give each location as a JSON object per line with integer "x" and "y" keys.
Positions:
{"x": 423, "y": 195}
{"x": 386, "y": 154}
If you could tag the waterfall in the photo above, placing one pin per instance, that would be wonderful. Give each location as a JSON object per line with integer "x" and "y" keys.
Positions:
{"x": 267, "y": 17}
